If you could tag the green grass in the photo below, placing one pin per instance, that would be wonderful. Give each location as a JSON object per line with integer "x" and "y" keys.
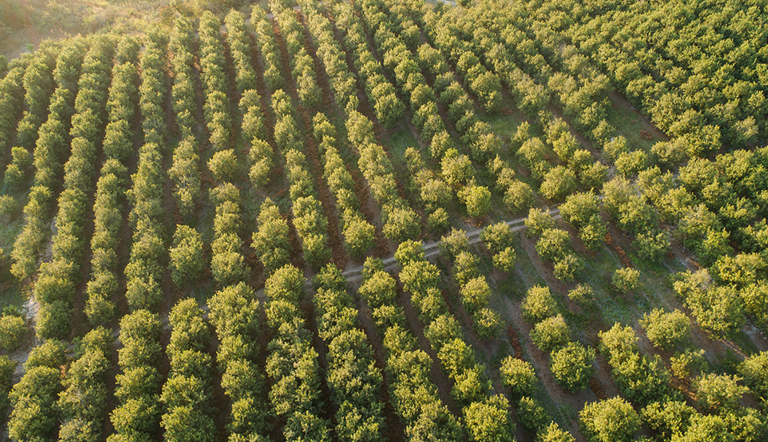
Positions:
{"x": 628, "y": 125}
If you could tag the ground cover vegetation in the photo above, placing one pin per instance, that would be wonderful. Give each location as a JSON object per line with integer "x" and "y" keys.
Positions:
{"x": 381, "y": 220}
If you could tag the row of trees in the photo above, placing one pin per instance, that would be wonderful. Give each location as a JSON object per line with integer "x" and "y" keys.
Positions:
{"x": 474, "y": 291}
{"x": 270, "y": 241}
{"x": 486, "y": 416}
{"x": 108, "y": 208}
{"x": 56, "y": 285}
{"x": 295, "y": 393}
{"x": 412, "y": 392}
{"x": 239, "y": 41}
{"x": 358, "y": 232}
{"x": 85, "y": 396}
{"x": 353, "y": 377}
{"x": 406, "y": 65}
{"x": 456, "y": 30}
{"x": 498, "y": 240}
{"x": 553, "y": 244}
{"x": 11, "y": 100}
{"x": 433, "y": 192}
{"x": 332, "y": 56}
{"x": 50, "y": 153}
{"x": 145, "y": 268}
{"x": 308, "y": 217}
{"x": 301, "y": 64}
{"x": 403, "y": 64}
{"x": 227, "y": 263}
{"x": 645, "y": 382}
{"x": 571, "y": 362}
{"x": 235, "y": 316}
{"x": 38, "y": 86}
{"x": 218, "y": 117}
{"x": 640, "y": 379}
{"x": 678, "y": 75}
{"x": 186, "y": 394}
{"x": 254, "y": 124}
{"x": 35, "y": 414}
{"x": 185, "y": 171}
{"x": 265, "y": 42}
{"x": 400, "y": 221}
{"x": 485, "y": 85}
{"x": 381, "y": 93}
{"x": 138, "y": 386}
{"x": 519, "y": 376}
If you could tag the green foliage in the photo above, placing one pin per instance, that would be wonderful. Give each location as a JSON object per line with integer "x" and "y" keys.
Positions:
{"x": 286, "y": 283}
{"x": 538, "y": 304}
{"x": 475, "y": 294}
{"x": 551, "y": 333}
{"x": 553, "y": 244}
{"x": 12, "y": 331}
{"x": 489, "y": 420}
{"x": 497, "y": 237}
{"x": 538, "y": 221}
{"x": 223, "y": 165}
{"x": 532, "y": 416}
{"x": 518, "y": 197}
{"x": 705, "y": 428}
{"x": 666, "y": 330}
{"x": 683, "y": 364}
{"x": 454, "y": 243}
{"x": 582, "y": 294}
{"x": 667, "y": 418}
{"x": 487, "y": 323}
{"x": 618, "y": 341}
{"x": 579, "y": 208}
{"x": 465, "y": 268}
{"x": 7, "y": 368}
{"x": 477, "y": 199}
{"x": 34, "y": 415}
{"x": 187, "y": 259}
{"x": 754, "y": 370}
{"x": 716, "y": 308}
{"x": 609, "y": 420}
{"x": 719, "y": 392}
{"x": 558, "y": 183}
{"x": 505, "y": 260}
{"x": 553, "y": 433}
{"x": 651, "y": 246}
{"x": 402, "y": 224}
{"x": 572, "y": 366}
{"x": 625, "y": 280}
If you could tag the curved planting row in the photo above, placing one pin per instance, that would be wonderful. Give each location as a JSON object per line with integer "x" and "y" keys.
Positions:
{"x": 56, "y": 287}
{"x": 108, "y": 208}
{"x": 353, "y": 377}
{"x": 184, "y": 171}
{"x": 292, "y": 364}
{"x": 144, "y": 271}
{"x": 381, "y": 93}
{"x": 486, "y": 416}
{"x": 308, "y": 217}
{"x": 265, "y": 42}
{"x": 11, "y": 99}
{"x": 50, "y": 153}
{"x": 253, "y": 126}
{"x": 412, "y": 392}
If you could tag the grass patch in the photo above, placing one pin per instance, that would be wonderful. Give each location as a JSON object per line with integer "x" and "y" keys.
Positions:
{"x": 629, "y": 126}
